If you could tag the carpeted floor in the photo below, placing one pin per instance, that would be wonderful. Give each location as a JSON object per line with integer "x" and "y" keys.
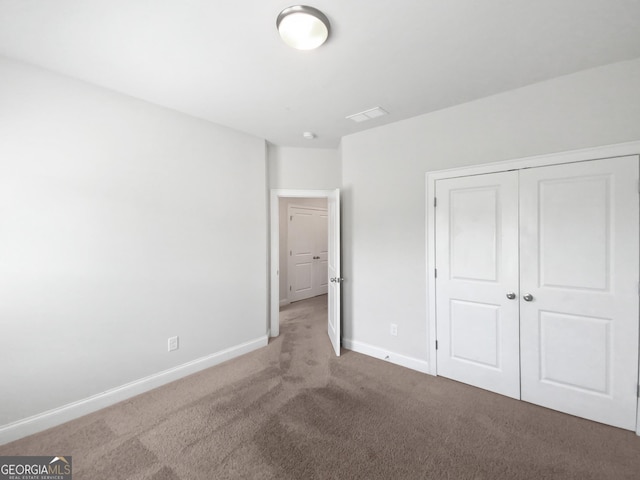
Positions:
{"x": 294, "y": 411}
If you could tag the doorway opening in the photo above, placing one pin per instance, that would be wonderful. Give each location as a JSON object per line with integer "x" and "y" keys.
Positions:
{"x": 279, "y": 280}
{"x": 303, "y": 249}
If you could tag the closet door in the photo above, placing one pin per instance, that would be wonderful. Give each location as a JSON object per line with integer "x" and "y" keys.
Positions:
{"x": 477, "y": 281}
{"x": 307, "y": 241}
{"x": 579, "y": 288}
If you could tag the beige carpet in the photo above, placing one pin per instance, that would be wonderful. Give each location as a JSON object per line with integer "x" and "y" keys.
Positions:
{"x": 294, "y": 411}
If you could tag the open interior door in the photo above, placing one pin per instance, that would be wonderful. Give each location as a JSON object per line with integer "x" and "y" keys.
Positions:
{"x": 333, "y": 207}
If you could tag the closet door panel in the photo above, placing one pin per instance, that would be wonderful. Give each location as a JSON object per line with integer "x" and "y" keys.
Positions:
{"x": 477, "y": 263}
{"x": 579, "y": 271}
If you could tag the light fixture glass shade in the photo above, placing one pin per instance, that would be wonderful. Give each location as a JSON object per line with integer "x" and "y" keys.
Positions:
{"x": 303, "y": 27}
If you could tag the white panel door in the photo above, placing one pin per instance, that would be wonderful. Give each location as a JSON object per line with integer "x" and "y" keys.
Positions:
{"x": 308, "y": 243}
{"x": 579, "y": 288}
{"x": 301, "y": 252}
{"x": 333, "y": 267}
{"x": 477, "y": 281}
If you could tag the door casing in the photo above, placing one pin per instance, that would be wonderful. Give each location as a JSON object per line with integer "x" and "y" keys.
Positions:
{"x": 603, "y": 152}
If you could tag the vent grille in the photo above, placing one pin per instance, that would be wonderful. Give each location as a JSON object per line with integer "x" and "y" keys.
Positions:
{"x": 367, "y": 114}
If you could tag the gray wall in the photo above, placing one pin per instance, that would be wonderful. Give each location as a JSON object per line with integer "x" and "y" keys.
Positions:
{"x": 383, "y": 184}
{"x": 121, "y": 224}
{"x": 304, "y": 168}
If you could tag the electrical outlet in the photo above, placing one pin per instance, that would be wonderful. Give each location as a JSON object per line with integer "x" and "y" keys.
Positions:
{"x": 394, "y": 330}
{"x": 173, "y": 343}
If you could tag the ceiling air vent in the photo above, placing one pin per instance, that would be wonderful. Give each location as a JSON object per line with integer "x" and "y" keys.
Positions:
{"x": 367, "y": 115}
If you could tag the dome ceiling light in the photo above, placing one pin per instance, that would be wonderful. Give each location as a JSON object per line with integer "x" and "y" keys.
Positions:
{"x": 303, "y": 27}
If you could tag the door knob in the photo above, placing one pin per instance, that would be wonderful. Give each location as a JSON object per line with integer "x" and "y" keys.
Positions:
{"x": 527, "y": 297}
{"x": 511, "y": 295}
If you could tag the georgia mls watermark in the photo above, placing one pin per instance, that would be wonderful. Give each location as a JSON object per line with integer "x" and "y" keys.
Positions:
{"x": 35, "y": 468}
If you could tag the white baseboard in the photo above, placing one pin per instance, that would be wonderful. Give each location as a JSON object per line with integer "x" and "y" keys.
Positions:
{"x": 57, "y": 416}
{"x": 387, "y": 355}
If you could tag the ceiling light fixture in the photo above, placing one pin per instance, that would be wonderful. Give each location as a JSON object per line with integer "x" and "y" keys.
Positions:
{"x": 303, "y": 27}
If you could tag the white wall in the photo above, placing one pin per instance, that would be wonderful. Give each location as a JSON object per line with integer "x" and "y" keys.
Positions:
{"x": 121, "y": 224}
{"x": 284, "y": 235}
{"x": 304, "y": 168}
{"x": 383, "y": 178}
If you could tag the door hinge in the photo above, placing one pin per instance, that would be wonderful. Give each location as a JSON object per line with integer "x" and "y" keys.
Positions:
{"x": 435, "y": 272}
{"x": 435, "y": 202}
{"x": 291, "y": 218}
{"x": 436, "y": 344}
{"x": 289, "y": 287}
{"x": 290, "y": 253}
{"x": 638, "y": 390}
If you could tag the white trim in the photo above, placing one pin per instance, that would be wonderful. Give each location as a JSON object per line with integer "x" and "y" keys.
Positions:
{"x": 386, "y": 355}
{"x": 638, "y": 420}
{"x": 71, "y": 411}
{"x": 593, "y": 153}
{"x": 274, "y": 204}
{"x": 321, "y": 209}
{"x": 284, "y": 303}
{"x": 431, "y": 285}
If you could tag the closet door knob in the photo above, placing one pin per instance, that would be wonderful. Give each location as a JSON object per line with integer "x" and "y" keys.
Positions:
{"x": 511, "y": 295}
{"x": 527, "y": 297}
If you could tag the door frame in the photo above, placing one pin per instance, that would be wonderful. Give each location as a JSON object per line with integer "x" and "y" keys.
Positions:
{"x": 594, "y": 153}
{"x": 274, "y": 257}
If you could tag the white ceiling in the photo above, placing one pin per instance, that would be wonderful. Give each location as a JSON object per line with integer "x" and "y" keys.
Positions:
{"x": 223, "y": 60}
